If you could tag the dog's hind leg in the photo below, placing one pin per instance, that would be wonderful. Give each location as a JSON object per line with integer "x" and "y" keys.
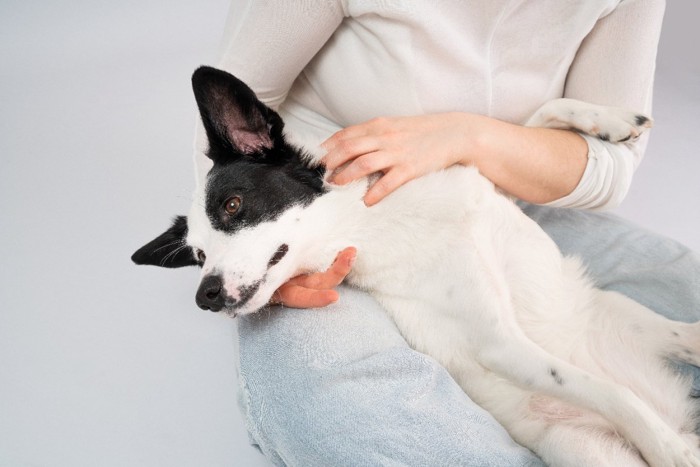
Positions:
{"x": 497, "y": 343}
{"x": 679, "y": 341}
{"x": 560, "y": 433}
{"x": 648, "y": 331}
{"x": 528, "y": 365}
{"x": 684, "y": 340}
{"x": 575, "y": 446}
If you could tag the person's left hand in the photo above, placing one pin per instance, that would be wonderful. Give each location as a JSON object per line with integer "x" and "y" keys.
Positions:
{"x": 400, "y": 148}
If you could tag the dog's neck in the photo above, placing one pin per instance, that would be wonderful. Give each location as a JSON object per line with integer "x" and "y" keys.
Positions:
{"x": 336, "y": 220}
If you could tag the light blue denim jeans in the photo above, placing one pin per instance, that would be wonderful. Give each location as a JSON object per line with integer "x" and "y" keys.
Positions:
{"x": 340, "y": 387}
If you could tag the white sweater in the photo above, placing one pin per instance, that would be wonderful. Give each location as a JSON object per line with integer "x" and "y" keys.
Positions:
{"x": 327, "y": 64}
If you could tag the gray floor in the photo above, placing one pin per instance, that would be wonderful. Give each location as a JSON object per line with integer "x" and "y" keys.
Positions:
{"x": 101, "y": 363}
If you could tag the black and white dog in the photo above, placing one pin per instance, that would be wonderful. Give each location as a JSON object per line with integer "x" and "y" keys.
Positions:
{"x": 578, "y": 375}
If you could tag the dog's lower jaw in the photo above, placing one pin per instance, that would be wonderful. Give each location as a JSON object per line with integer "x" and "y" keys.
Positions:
{"x": 259, "y": 300}
{"x": 233, "y": 314}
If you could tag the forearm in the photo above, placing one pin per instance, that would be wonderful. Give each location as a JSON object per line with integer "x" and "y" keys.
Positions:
{"x": 537, "y": 165}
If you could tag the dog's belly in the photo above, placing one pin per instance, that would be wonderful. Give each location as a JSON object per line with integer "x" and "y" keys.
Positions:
{"x": 434, "y": 239}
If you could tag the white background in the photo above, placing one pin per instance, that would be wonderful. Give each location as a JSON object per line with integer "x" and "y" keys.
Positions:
{"x": 106, "y": 364}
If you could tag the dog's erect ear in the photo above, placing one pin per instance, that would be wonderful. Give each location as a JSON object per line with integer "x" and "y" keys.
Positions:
{"x": 237, "y": 123}
{"x": 168, "y": 250}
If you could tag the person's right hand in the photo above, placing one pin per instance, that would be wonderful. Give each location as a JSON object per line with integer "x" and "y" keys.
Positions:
{"x": 315, "y": 290}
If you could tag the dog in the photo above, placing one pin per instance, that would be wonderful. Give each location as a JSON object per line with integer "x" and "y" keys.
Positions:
{"x": 579, "y": 375}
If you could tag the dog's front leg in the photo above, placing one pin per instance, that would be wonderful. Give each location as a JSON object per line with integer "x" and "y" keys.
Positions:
{"x": 607, "y": 123}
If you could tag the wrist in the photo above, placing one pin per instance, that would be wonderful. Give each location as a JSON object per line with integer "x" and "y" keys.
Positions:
{"x": 475, "y": 135}
{"x": 484, "y": 139}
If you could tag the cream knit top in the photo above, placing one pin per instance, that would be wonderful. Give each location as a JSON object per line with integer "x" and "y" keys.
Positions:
{"x": 326, "y": 64}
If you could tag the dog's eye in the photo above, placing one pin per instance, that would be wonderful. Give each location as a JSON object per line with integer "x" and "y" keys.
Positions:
{"x": 201, "y": 256}
{"x": 232, "y": 205}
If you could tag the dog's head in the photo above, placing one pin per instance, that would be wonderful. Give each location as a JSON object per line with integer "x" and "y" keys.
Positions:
{"x": 243, "y": 226}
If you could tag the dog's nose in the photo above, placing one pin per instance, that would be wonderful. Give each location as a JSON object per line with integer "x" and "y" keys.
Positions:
{"x": 209, "y": 295}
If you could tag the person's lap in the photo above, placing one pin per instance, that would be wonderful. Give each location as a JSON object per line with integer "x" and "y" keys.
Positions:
{"x": 339, "y": 386}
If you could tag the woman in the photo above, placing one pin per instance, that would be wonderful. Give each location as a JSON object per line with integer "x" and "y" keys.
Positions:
{"x": 339, "y": 386}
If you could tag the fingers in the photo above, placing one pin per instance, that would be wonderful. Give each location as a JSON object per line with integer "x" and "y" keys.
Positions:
{"x": 355, "y": 141}
{"x": 394, "y": 148}
{"x": 387, "y": 184}
{"x": 344, "y": 150}
{"x": 331, "y": 277}
{"x": 370, "y": 127}
{"x": 394, "y": 172}
{"x": 295, "y": 296}
{"x": 315, "y": 290}
{"x": 362, "y": 166}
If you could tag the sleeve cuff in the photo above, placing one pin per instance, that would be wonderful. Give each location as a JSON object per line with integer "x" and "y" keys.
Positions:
{"x": 606, "y": 179}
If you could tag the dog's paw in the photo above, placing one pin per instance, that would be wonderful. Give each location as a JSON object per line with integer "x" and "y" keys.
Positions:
{"x": 673, "y": 453}
{"x": 615, "y": 125}
{"x": 684, "y": 459}
{"x": 607, "y": 123}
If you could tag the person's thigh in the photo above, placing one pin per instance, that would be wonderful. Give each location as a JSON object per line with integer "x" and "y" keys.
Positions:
{"x": 339, "y": 386}
{"x": 656, "y": 271}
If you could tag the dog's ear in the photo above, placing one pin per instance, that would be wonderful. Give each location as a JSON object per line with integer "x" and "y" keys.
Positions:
{"x": 168, "y": 250}
{"x": 236, "y": 122}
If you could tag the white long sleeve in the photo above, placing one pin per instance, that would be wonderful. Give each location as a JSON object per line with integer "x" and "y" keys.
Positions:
{"x": 615, "y": 66}
{"x": 327, "y": 64}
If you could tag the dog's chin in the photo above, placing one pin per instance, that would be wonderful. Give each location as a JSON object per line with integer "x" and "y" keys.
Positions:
{"x": 255, "y": 304}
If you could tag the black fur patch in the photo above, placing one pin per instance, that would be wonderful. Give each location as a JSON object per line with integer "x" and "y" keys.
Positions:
{"x": 640, "y": 120}
{"x": 265, "y": 190}
{"x": 247, "y": 293}
{"x": 251, "y": 159}
{"x": 168, "y": 250}
{"x": 555, "y": 375}
{"x": 279, "y": 254}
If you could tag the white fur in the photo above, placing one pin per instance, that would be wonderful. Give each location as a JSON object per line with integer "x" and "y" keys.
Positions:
{"x": 574, "y": 373}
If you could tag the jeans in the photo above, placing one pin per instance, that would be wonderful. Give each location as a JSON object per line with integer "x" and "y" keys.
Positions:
{"x": 339, "y": 386}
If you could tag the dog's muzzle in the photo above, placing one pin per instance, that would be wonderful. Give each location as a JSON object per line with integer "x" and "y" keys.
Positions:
{"x": 211, "y": 295}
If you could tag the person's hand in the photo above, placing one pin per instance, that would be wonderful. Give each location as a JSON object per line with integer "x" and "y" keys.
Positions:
{"x": 401, "y": 149}
{"x": 315, "y": 290}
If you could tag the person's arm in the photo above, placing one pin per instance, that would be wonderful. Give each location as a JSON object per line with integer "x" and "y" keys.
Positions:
{"x": 534, "y": 164}
{"x": 614, "y": 66}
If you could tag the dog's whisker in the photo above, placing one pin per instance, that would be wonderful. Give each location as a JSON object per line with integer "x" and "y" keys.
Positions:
{"x": 173, "y": 253}
{"x": 168, "y": 245}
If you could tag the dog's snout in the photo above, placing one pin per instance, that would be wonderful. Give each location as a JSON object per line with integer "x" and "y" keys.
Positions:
{"x": 210, "y": 295}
